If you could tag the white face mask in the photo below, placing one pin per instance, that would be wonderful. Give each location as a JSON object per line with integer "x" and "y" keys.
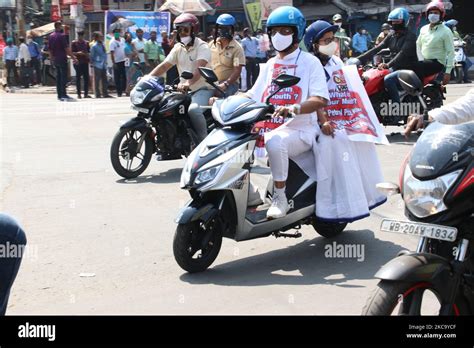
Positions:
{"x": 185, "y": 40}
{"x": 339, "y": 24}
{"x": 28, "y": 41}
{"x": 433, "y": 18}
{"x": 281, "y": 42}
{"x": 328, "y": 50}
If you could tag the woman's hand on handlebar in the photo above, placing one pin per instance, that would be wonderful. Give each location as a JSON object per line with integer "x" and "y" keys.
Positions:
{"x": 282, "y": 111}
{"x": 327, "y": 129}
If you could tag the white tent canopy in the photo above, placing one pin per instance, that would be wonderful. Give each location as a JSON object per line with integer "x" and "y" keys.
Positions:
{"x": 196, "y": 7}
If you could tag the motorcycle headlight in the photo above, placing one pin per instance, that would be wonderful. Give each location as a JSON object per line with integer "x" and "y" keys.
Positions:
{"x": 137, "y": 97}
{"x": 207, "y": 175}
{"x": 425, "y": 198}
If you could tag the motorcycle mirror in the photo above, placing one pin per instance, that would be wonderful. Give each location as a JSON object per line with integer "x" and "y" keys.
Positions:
{"x": 285, "y": 80}
{"x": 410, "y": 82}
{"x": 187, "y": 75}
{"x": 208, "y": 74}
{"x": 388, "y": 188}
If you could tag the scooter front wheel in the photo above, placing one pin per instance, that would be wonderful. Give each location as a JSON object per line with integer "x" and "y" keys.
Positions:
{"x": 197, "y": 244}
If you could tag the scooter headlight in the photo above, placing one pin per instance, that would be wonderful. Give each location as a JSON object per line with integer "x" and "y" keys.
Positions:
{"x": 425, "y": 198}
{"x": 207, "y": 175}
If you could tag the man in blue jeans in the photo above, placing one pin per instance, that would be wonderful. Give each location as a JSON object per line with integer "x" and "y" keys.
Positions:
{"x": 59, "y": 51}
{"x": 12, "y": 237}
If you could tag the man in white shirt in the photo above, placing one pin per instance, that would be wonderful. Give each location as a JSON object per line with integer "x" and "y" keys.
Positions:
{"x": 25, "y": 57}
{"x": 188, "y": 54}
{"x": 460, "y": 111}
{"x": 139, "y": 44}
{"x": 286, "y": 26}
{"x": 117, "y": 53}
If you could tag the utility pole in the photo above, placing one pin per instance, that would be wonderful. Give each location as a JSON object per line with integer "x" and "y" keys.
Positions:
{"x": 392, "y": 4}
{"x": 20, "y": 17}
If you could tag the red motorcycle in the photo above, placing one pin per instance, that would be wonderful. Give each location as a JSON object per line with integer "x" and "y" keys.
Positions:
{"x": 396, "y": 114}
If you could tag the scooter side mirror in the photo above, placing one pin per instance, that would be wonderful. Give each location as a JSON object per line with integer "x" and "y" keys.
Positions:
{"x": 285, "y": 80}
{"x": 282, "y": 81}
{"x": 208, "y": 74}
{"x": 187, "y": 75}
{"x": 410, "y": 82}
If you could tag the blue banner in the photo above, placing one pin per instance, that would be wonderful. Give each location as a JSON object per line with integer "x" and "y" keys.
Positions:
{"x": 132, "y": 20}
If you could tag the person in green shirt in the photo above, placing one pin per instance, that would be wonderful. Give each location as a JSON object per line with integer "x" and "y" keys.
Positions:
{"x": 435, "y": 44}
{"x": 154, "y": 53}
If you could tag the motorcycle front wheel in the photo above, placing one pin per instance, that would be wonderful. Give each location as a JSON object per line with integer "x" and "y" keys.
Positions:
{"x": 197, "y": 244}
{"x": 392, "y": 297}
{"x": 129, "y": 147}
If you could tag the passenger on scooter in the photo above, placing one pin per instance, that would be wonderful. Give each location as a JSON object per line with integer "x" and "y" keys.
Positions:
{"x": 227, "y": 55}
{"x": 353, "y": 167}
{"x": 296, "y": 138}
{"x": 402, "y": 45}
{"x": 188, "y": 54}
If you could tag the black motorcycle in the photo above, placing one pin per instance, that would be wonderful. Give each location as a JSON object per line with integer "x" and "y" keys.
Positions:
{"x": 437, "y": 186}
{"x": 162, "y": 126}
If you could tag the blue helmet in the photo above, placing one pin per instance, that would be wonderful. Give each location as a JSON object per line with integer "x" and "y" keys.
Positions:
{"x": 316, "y": 31}
{"x": 451, "y": 23}
{"x": 226, "y": 19}
{"x": 399, "y": 14}
{"x": 288, "y": 16}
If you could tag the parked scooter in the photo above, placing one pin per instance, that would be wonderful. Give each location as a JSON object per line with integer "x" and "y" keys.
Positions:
{"x": 437, "y": 186}
{"x": 373, "y": 79}
{"x": 162, "y": 126}
{"x": 459, "y": 61}
{"x": 217, "y": 175}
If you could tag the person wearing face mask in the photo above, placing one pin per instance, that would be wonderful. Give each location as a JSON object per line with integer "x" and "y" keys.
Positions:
{"x": 360, "y": 41}
{"x": 188, "y": 54}
{"x": 35, "y": 54}
{"x": 402, "y": 45}
{"x": 353, "y": 168}
{"x": 117, "y": 54}
{"x": 342, "y": 39}
{"x": 435, "y": 44}
{"x": 227, "y": 56}
{"x": 296, "y": 139}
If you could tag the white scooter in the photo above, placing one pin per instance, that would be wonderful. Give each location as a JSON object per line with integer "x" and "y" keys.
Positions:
{"x": 217, "y": 175}
{"x": 459, "y": 60}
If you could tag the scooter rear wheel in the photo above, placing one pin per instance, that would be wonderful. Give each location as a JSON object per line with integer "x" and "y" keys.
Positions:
{"x": 328, "y": 229}
{"x": 196, "y": 245}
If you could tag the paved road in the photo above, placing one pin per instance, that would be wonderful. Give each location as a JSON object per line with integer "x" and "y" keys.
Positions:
{"x": 80, "y": 218}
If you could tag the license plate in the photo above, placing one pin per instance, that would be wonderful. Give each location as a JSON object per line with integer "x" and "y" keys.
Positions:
{"x": 419, "y": 229}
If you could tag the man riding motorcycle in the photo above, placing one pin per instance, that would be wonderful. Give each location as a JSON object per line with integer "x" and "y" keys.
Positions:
{"x": 286, "y": 26}
{"x": 451, "y": 24}
{"x": 188, "y": 54}
{"x": 402, "y": 45}
{"x": 227, "y": 55}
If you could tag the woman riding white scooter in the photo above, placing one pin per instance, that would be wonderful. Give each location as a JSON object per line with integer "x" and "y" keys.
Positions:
{"x": 297, "y": 138}
{"x": 353, "y": 168}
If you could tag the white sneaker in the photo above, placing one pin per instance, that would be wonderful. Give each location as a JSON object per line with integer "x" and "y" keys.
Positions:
{"x": 279, "y": 207}
{"x": 254, "y": 198}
